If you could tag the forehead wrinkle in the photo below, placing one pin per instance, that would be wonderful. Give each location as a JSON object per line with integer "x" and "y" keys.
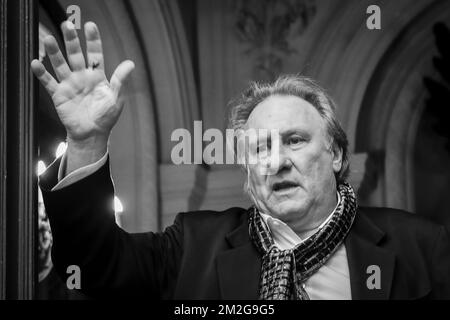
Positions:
{"x": 307, "y": 123}
{"x": 273, "y": 104}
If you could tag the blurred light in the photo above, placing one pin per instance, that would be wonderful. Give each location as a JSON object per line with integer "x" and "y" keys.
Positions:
{"x": 40, "y": 198}
{"x": 118, "y": 207}
{"x": 41, "y": 167}
{"x": 62, "y": 147}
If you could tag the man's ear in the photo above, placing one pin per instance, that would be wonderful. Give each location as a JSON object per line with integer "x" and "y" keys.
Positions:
{"x": 337, "y": 158}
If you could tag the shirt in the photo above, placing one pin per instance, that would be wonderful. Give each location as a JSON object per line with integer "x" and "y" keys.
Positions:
{"x": 332, "y": 280}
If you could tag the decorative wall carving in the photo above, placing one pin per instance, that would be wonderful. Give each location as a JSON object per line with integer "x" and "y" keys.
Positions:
{"x": 439, "y": 89}
{"x": 267, "y": 28}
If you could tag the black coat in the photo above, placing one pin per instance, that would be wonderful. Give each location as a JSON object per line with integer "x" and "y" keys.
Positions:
{"x": 208, "y": 254}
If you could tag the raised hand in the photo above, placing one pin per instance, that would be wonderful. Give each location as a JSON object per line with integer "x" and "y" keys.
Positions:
{"x": 86, "y": 102}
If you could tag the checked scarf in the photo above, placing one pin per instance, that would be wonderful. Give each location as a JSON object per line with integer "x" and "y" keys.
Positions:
{"x": 284, "y": 271}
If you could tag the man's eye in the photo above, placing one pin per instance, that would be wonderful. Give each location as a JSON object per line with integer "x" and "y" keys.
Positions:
{"x": 295, "y": 140}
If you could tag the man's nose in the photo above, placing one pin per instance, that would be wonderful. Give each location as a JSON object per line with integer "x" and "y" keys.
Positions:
{"x": 285, "y": 162}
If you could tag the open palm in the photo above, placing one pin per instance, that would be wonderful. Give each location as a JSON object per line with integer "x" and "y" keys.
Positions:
{"x": 86, "y": 102}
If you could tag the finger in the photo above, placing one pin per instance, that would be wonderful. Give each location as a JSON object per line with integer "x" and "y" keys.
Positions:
{"x": 56, "y": 57}
{"x": 120, "y": 74}
{"x": 73, "y": 47}
{"x": 94, "y": 46}
{"x": 44, "y": 77}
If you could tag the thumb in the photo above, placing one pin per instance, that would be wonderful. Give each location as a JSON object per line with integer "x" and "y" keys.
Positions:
{"x": 122, "y": 71}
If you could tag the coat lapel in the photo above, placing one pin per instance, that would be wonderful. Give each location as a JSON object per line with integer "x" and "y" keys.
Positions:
{"x": 239, "y": 268}
{"x": 364, "y": 250}
{"x": 241, "y": 264}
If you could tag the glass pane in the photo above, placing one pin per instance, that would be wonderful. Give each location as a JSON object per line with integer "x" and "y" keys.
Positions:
{"x": 51, "y": 143}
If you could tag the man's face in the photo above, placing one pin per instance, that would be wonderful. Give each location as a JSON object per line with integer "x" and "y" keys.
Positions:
{"x": 304, "y": 178}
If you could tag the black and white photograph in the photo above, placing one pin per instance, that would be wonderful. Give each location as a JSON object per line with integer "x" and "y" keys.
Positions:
{"x": 225, "y": 150}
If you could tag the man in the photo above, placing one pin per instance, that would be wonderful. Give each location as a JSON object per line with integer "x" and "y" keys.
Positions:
{"x": 304, "y": 238}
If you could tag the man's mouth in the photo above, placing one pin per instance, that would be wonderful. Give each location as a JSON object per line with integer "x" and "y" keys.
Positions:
{"x": 284, "y": 186}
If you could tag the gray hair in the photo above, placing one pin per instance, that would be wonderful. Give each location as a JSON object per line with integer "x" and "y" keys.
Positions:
{"x": 304, "y": 88}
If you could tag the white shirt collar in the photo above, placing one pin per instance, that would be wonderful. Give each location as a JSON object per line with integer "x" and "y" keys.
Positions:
{"x": 283, "y": 236}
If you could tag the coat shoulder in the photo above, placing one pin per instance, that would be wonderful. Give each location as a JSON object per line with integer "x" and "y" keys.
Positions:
{"x": 202, "y": 216}
{"x": 396, "y": 221}
{"x": 216, "y": 222}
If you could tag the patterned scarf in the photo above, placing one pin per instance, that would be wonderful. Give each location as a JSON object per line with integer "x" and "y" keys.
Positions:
{"x": 285, "y": 271}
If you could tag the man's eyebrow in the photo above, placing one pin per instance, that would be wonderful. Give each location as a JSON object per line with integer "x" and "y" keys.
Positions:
{"x": 286, "y": 133}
